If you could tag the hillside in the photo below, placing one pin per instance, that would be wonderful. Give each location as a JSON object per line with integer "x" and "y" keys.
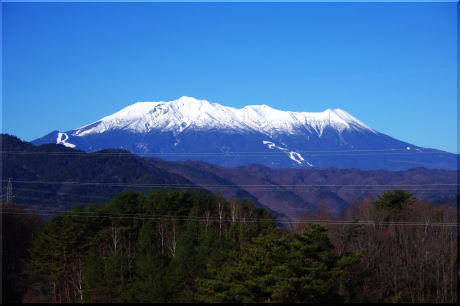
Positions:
{"x": 54, "y": 177}
{"x": 295, "y": 192}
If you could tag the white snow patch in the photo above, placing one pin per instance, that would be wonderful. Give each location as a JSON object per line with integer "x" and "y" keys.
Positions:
{"x": 408, "y": 148}
{"x": 64, "y": 142}
{"x": 270, "y": 144}
{"x": 291, "y": 154}
{"x": 296, "y": 157}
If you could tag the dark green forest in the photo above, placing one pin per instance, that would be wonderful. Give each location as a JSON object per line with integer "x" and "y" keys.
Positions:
{"x": 191, "y": 246}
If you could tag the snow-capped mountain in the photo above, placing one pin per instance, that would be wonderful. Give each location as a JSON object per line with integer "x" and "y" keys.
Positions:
{"x": 189, "y": 128}
{"x": 190, "y": 113}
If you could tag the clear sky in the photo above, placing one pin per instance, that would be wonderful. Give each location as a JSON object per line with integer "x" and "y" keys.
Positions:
{"x": 392, "y": 65}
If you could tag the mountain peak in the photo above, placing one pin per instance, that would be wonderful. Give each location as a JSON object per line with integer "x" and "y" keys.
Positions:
{"x": 188, "y": 99}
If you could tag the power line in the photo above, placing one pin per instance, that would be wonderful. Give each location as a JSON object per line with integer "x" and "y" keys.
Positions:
{"x": 238, "y": 186}
{"x": 310, "y": 153}
{"x": 416, "y": 189}
{"x": 240, "y": 220}
{"x": 62, "y": 197}
{"x": 59, "y": 193}
{"x": 213, "y": 218}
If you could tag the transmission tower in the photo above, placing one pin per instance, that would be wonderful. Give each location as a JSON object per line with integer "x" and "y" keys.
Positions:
{"x": 9, "y": 192}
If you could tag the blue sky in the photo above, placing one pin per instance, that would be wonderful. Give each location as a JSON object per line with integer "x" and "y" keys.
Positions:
{"x": 392, "y": 65}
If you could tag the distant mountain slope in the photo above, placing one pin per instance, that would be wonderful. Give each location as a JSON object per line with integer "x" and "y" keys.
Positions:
{"x": 43, "y": 176}
{"x": 294, "y": 192}
{"x": 277, "y": 198}
{"x": 192, "y": 129}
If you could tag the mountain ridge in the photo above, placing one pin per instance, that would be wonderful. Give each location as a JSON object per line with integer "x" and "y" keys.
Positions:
{"x": 187, "y": 111}
{"x": 188, "y": 128}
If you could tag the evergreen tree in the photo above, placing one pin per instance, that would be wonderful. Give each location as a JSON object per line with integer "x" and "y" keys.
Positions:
{"x": 278, "y": 267}
{"x": 394, "y": 200}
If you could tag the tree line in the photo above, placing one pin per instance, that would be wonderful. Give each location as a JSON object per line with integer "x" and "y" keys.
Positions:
{"x": 191, "y": 246}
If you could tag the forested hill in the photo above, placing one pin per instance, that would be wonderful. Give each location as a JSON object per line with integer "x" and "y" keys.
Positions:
{"x": 39, "y": 174}
{"x": 55, "y": 177}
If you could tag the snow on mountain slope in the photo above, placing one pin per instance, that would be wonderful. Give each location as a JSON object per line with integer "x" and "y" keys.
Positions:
{"x": 188, "y": 128}
{"x": 190, "y": 113}
{"x": 64, "y": 142}
{"x": 295, "y": 156}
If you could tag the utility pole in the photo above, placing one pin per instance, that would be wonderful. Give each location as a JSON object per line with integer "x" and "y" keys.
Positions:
{"x": 9, "y": 192}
